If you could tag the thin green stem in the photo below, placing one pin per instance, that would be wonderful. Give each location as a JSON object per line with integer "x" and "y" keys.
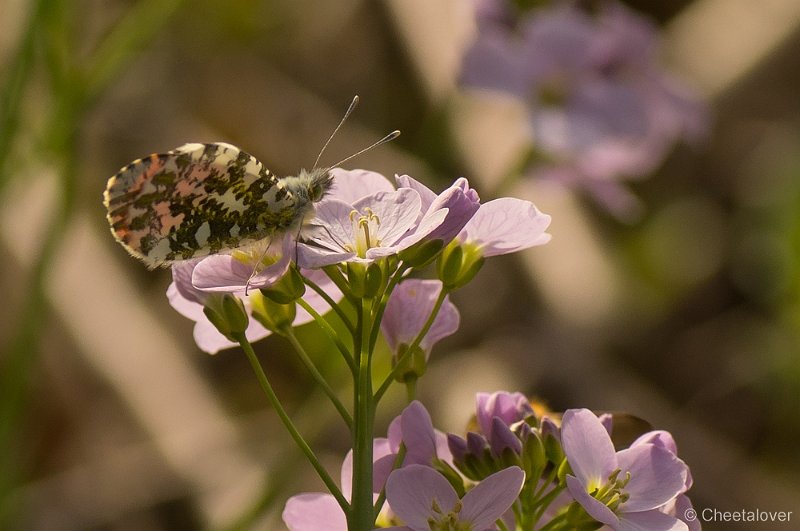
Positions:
{"x": 401, "y": 362}
{"x": 411, "y": 389}
{"x": 331, "y": 333}
{"x": 336, "y": 276}
{"x": 288, "y": 424}
{"x": 332, "y": 303}
{"x": 384, "y": 300}
{"x": 303, "y": 355}
{"x": 361, "y": 517}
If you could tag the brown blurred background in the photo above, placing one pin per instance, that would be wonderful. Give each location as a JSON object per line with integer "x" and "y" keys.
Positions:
{"x": 113, "y": 419}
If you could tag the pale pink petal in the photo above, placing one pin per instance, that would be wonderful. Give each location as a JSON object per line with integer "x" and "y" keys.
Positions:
{"x": 412, "y": 490}
{"x": 649, "y": 521}
{"x": 657, "y": 476}
{"x": 506, "y": 225}
{"x": 487, "y": 502}
{"x": 314, "y": 512}
{"x": 588, "y": 447}
{"x": 596, "y": 510}
{"x": 351, "y": 185}
{"x": 397, "y": 212}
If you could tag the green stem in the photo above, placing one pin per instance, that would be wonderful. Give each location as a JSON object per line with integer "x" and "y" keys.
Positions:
{"x": 400, "y": 362}
{"x": 303, "y": 355}
{"x": 331, "y": 333}
{"x": 288, "y": 424}
{"x": 335, "y": 274}
{"x": 361, "y": 517}
{"x": 332, "y": 303}
{"x": 384, "y": 300}
{"x": 411, "y": 389}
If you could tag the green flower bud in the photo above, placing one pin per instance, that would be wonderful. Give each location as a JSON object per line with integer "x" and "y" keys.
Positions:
{"x": 288, "y": 289}
{"x": 227, "y": 313}
{"x": 534, "y": 459}
{"x": 458, "y": 265}
{"x": 275, "y": 317}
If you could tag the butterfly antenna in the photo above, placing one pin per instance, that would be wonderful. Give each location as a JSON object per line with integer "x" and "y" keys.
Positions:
{"x": 341, "y": 122}
{"x": 388, "y": 138}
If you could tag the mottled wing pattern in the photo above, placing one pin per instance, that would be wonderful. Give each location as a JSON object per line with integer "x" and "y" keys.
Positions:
{"x": 196, "y": 200}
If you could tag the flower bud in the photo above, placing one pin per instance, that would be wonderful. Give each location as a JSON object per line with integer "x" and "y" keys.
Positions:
{"x": 534, "y": 459}
{"x": 227, "y": 313}
{"x": 288, "y": 289}
{"x": 275, "y": 316}
{"x": 458, "y": 265}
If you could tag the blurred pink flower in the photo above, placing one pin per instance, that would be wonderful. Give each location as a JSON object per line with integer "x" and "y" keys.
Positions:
{"x": 601, "y": 106}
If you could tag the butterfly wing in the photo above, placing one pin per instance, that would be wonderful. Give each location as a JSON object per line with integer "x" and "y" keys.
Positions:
{"x": 196, "y": 200}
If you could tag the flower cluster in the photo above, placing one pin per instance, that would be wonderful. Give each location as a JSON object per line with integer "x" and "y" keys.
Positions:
{"x": 601, "y": 107}
{"x": 359, "y": 256}
{"x": 517, "y": 467}
{"x": 365, "y": 231}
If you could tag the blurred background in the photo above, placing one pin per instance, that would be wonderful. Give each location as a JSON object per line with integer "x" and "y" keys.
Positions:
{"x": 687, "y": 314}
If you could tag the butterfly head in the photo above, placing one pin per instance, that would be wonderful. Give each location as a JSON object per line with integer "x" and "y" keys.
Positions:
{"x": 319, "y": 182}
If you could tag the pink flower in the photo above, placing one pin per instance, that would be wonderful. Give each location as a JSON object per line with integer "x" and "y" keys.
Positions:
{"x": 189, "y": 300}
{"x": 506, "y": 225}
{"x": 601, "y": 107}
{"x": 313, "y": 511}
{"x": 624, "y": 489}
{"x": 448, "y": 212}
{"x": 425, "y": 500}
{"x": 407, "y": 311}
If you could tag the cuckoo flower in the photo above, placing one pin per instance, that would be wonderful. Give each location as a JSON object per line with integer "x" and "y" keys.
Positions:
{"x": 425, "y": 500}
{"x": 624, "y": 489}
{"x": 679, "y": 507}
{"x": 254, "y": 267}
{"x": 505, "y": 225}
{"x": 189, "y": 300}
{"x": 369, "y": 228}
{"x": 314, "y": 511}
{"x": 407, "y": 312}
{"x": 364, "y": 217}
{"x": 447, "y": 212}
{"x": 601, "y": 107}
{"x": 318, "y": 511}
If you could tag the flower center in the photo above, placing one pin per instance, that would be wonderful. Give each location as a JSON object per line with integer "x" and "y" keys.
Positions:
{"x": 257, "y": 255}
{"x": 365, "y": 232}
{"x": 447, "y": 521}
{"x": 612, "y": 494}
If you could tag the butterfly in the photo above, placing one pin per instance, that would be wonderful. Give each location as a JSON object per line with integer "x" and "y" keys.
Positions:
{"x": 203, "y": 199}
